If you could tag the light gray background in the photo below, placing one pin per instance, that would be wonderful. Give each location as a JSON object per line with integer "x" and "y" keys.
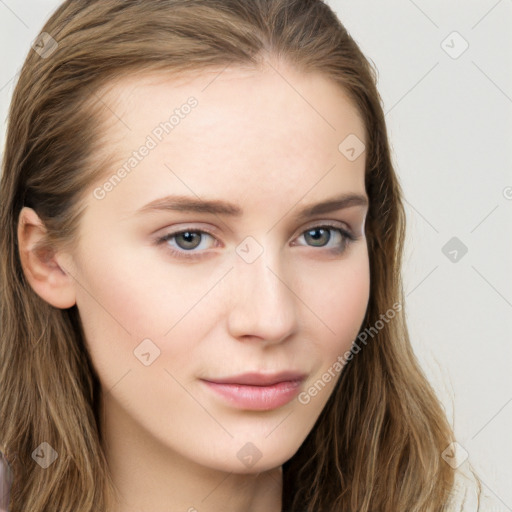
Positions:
{"x": 450, "y": 124}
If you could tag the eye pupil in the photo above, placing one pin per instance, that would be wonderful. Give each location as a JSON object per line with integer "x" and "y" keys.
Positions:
{"x": 189, "y": 239}
{"x": 319, "y": 237}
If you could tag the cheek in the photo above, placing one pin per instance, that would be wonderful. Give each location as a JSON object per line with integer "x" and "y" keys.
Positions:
{"x": 342, "y": 301}
{"x": 342, "y": 307}
{"x": 124, "y": 302}
{"x": 139, "y": 290}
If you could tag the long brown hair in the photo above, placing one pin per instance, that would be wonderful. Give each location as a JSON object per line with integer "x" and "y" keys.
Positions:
{"x": 377, "y": 444}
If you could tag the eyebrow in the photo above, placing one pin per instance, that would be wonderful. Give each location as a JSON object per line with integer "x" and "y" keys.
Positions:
{"x": 220, "y": 207}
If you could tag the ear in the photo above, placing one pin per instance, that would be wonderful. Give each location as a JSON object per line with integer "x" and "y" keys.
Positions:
{"x": 43, "y": 267}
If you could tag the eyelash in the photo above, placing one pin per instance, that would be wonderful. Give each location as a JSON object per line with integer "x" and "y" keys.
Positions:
{"x": 347, "y": 236}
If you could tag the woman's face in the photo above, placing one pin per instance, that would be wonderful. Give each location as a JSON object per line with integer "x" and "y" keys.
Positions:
{"x": 255, "y": 285}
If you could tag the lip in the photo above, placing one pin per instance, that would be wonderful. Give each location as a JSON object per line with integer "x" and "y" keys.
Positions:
{"x": 257, "y": 391}
{"x": 259, "y": 379}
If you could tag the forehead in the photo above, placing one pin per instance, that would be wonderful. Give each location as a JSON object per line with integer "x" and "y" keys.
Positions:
{"x": 263, "y": 100}
{"x": 249, "y": 130}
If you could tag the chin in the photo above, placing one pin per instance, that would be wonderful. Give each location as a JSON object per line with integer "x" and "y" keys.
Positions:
{"x": 250, "y": 458}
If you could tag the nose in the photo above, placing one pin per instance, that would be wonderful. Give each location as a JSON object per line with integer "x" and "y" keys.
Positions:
{"x": 263, "y": 306}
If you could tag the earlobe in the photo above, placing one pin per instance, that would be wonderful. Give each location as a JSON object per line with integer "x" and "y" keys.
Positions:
{"x": 47, "y": 277}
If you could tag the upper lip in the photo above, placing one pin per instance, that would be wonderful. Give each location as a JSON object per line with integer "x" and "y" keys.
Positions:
{"x": 259, "y": 379}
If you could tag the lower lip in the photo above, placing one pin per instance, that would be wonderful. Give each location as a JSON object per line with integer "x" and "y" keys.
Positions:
{"x": 257, "y": 398}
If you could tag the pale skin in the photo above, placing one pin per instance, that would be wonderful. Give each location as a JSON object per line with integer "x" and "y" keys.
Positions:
{"x": 272, "y": 149}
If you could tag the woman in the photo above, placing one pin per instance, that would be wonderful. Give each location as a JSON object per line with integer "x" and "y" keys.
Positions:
{"x": 268, "y": 370}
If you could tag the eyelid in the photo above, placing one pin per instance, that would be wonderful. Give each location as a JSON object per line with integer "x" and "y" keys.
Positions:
{"x": 331, "y": 223}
